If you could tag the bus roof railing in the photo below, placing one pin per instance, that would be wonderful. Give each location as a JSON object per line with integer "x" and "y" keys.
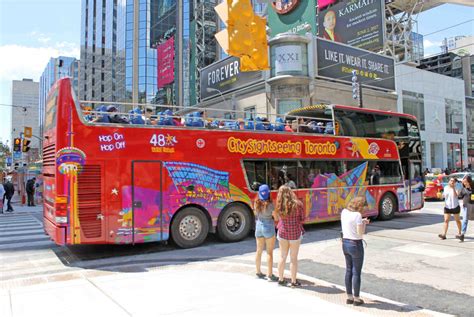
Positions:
{"x": 158, "y": 115}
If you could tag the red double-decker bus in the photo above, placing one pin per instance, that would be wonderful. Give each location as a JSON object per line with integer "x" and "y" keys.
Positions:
{"x": 134, "y": 182}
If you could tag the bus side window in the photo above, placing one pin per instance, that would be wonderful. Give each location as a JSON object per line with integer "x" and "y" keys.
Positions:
{"x": 256, "y": 172}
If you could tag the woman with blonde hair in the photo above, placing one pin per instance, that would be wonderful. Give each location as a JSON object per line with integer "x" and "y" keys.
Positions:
{"x": 290, "y": 216}
{"x": 353, "y": 229}
{"x": 264, "y": 231}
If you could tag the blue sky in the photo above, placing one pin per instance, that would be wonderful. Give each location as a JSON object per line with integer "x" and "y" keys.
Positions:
{"x": 33, "y": 31}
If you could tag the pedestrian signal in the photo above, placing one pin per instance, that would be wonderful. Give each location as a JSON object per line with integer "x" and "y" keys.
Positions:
{"x": 26, "y": 145}
{"x": 17, "y": 145}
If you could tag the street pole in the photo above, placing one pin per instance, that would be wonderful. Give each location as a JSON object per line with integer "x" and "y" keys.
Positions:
{"x": 460, "y": 153}
{"x": 360, "y": 95}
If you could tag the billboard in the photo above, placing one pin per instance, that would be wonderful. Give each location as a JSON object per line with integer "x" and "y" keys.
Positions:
{"x": 336, "y": 61}
{"x": 225, "y": 76}
{"x": 165, "y": 55}
{"x": 355, "y": 23}
{"x": 291, "y": 16}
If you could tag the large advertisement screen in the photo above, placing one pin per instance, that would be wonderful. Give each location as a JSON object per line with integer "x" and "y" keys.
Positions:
{"x": 224, "y": 76}
{"x": 355, "y": 23}
{"x": 165, "y": 53}
{"x": 336, "y": 61}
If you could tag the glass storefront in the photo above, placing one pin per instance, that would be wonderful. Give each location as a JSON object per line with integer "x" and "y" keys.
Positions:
{"x": 413, "y": 103}
{"x": 454, "y": 119}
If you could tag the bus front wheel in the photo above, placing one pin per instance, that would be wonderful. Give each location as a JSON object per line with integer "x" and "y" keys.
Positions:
{"x": 190, "y": 227}
{"x": 234, "y": 223}
{"x": 387, "y": 207}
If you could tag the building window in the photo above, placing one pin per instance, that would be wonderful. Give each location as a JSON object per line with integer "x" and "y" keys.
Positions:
{"x": 413, "y": 103}
{"x": 249, "y": 113}
{"x": 454, "y": 158}
{"x": 454, "y": 119}
{"x": 286, "y": 105}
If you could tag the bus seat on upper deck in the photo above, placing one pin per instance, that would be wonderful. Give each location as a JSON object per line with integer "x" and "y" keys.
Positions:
{"x": 136, "y": 116}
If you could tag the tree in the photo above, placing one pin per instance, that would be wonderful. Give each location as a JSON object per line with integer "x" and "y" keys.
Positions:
{"x": 4, "y": 153}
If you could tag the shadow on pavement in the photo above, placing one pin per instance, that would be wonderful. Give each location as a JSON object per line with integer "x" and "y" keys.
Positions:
{"x": 162, "y": 253}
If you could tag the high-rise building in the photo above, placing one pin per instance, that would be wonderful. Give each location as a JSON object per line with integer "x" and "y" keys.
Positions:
{"x": 461, "y": 45}
{"x": 24, "y": 113}
{"x": 102, "y": 73}
{"x": 58, "y": 67}
{"x": 163, "y": 61}
{"x": 146, "y": 50}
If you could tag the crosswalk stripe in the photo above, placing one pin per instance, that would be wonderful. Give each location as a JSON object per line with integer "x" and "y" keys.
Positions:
{"x": 20, "y": 232}
{"x": 18, "y": 246}
{"x": 26, "y": 237}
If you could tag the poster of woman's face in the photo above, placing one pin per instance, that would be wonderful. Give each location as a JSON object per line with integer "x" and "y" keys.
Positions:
{"x": 330, "y": 20}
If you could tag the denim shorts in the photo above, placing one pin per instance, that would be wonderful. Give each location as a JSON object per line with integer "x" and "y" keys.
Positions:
{"x": 264, "y": 228}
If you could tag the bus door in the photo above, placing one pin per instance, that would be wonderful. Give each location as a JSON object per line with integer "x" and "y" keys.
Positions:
{"x": 147, "y": 201}
{"x": 416, "y": 184}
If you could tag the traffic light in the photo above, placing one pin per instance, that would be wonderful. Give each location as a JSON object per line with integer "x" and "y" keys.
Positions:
{"x": 355, "y": 85}
{"x": 17, "y": 145}
{"x": 26, "y": 145}
{"x": 245, "y": 36}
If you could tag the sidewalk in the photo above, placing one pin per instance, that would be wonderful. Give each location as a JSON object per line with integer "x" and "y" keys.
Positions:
{"x": 222, "y": 287}
{"x": 211, "y": 288}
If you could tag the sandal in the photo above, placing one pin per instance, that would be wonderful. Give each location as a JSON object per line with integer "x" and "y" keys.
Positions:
{"x": 272, "y": 278}
{"x": 295, "y": 284}
{"x": 349, "y": 301}
{"x": 358, "y": 302}
{"x": 282, "y": 283}
{"x": 442, "y": 236}
{"x": 260, "y": 275}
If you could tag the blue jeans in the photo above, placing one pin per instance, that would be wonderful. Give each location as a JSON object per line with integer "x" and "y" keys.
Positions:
{"x": 464, "y": 219}
{"x": 354, "y": 254}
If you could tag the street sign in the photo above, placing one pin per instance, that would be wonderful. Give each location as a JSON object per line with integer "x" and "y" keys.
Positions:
{"x": 9, "y": 161}
{"x": 28, "y": 132}
{"x": 17, "y": 156}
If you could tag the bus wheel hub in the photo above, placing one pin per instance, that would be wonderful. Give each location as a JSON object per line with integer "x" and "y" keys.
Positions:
{"x": 190, "y": 227}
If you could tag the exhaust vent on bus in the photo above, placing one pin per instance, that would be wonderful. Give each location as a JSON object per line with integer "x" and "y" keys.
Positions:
{"x": 90, "y": 201}
{"x": 49, "y": 155}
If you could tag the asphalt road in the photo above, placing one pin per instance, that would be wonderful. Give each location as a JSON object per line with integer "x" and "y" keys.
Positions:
{"x": 405, "y": 261}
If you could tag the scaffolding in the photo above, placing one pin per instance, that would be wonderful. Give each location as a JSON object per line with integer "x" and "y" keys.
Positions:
{"x": 206, "y": 26}
{"x": 402, "y": 40}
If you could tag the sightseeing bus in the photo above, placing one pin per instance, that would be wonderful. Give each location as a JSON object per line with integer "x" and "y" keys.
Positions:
{"x": 135, "y": 182}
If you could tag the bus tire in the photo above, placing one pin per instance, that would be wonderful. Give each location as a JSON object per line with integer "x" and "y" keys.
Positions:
{"x": 387, "y": 207}
{"x": 189, "y": 228}
{"x": 234, "y": 223}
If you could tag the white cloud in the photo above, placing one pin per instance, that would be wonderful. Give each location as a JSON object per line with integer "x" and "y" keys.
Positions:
{"x": 428, "y": 44}
{"x": 19, "y": 62}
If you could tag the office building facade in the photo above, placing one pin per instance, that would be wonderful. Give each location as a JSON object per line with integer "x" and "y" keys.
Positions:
{"x": 102, "y": 72}
{"x": 145, "y": 50}
{"x": 439, "y": 104}
{"x": 24, "y": 113}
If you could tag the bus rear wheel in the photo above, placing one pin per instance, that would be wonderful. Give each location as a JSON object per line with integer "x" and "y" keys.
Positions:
{"x": 190, "y": 227}
{"x": 387, "y": 207}
{"x": 234, "y": 223}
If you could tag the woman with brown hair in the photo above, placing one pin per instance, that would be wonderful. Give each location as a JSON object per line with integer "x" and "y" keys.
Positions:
{"x": 353, "y": 229}
{"x": 264, "y": 231}
{"x": 290, "y": 216}
{"x": 467, "y": 205}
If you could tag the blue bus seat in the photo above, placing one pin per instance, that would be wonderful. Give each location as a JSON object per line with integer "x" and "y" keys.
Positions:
{"x": 279, "y": 124}
{"x": 197, "y": 120}
{"x": 329, "y": 128}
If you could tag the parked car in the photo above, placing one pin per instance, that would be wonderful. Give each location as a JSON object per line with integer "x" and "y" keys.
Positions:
{"x": 434, "y": 186}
